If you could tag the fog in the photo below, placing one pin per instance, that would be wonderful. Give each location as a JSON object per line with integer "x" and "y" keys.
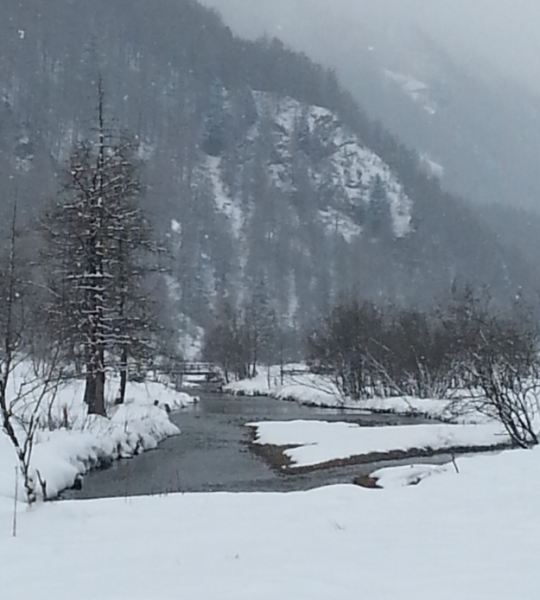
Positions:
{"x": 503, "y": 34}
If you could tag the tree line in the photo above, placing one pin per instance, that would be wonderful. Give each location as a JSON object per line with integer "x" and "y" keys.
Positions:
{"x": 247, "y": 338}
{"x": 487, "y": 358}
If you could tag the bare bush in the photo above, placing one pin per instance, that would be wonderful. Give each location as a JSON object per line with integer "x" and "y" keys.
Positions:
{"x": 503, "y": 374}
{"x": 465, "y": 345}
{"x": 27, "y": 378}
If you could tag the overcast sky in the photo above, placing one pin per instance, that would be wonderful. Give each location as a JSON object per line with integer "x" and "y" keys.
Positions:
{"x": 505, "y": 32}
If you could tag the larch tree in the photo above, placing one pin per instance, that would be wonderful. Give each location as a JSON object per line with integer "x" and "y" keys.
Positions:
{"x": 96, "y": 240}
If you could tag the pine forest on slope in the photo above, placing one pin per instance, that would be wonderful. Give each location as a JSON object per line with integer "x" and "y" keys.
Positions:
{"x": 263, "y": 173}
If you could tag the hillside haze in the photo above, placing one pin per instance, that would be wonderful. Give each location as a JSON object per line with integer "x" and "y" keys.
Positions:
{"x": 264, "y": 175}
{"x": 456, "y": 81}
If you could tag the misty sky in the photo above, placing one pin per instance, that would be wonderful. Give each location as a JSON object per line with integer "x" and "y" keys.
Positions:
{"x": 503, "y": 32}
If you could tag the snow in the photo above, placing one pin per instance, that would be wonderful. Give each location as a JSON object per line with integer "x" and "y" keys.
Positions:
{"x": 296, "y": 384}
{"x": 299, "y": 385}
{"x": 314, "y": 391}
{"x": 350, "y": 166}
{"x": 68, "y": 442}
{"x": 417, "y": 90}
{"x": 473, "y": 535}
{"x": 319, "y": 442}
{"x": 335, "y": 222}
{"x": 392, "y": 477}
{"x": 230, "y": 207}
{"x": 405, "y": 405}
{"x": 432, "y": 167}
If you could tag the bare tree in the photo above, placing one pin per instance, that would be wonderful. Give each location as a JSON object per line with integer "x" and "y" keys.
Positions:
{"x": 27, "y": 378}
{"x": 465, "y": 345}
{"x": 226, "y": 345}
{"x": 504, "y": 374}
{"x": 349, "y": 347}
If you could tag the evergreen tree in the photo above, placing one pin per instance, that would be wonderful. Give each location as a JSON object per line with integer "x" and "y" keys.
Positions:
{"x": 379, "y": 218}
{"x": 93, "y": 236}
{"x": 214, "y": 127}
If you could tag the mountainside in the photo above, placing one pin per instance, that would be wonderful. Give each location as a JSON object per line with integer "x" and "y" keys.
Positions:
{"x": 476, "y": 130}
{"x": 284, "y": 205}
{"x": 516, "y": 228}
{"x": 262, "y": 172}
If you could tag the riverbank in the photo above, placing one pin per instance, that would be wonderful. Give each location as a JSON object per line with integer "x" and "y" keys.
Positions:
{"x": 68, "y": 443}
{"x": 213, "y": 453}
{"x": 296, "y": 384}
{"x": 469, "y": 535}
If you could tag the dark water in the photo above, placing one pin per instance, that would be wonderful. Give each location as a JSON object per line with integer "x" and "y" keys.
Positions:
{"x": 212, "y": 453}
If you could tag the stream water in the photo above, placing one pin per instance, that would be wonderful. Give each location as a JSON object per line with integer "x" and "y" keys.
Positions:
{"x": 212, "y": 453}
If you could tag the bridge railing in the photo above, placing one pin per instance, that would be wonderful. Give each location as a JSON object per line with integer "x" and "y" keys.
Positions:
{"x": 197, "y": 368}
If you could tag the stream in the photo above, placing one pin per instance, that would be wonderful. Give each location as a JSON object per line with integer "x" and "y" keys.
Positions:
{"x": 212, "y": 452}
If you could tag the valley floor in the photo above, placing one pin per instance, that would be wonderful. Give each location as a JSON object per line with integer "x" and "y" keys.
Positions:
{"x": 473, "y": 535}
{"x": 468, "y": 530}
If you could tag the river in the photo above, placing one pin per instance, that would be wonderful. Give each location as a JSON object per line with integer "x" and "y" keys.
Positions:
{"x": 212, "y": 453}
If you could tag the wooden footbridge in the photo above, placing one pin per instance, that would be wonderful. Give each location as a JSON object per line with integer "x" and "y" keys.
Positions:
{"x": 197, "y": 368}
{"x": 200, "y": 371}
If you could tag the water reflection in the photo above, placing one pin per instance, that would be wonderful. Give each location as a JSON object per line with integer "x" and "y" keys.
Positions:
{"x": 260, "y": 406}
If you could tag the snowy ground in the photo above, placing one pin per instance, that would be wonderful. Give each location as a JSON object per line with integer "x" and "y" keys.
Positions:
{"x": 318, "y": 442}
{"x": 318, "y": 390}
{"x": 469, "y": 531}
{"x": 69, "y": 443}
{"x": 468, "y": 536}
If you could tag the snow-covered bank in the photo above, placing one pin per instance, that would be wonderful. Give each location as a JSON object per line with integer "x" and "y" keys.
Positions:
{"x": 69, "y": 443}
{"x": 299, "y": 385}
{"x": 468, "y": 536}
{"x": 392, "y": 477}
{"x": 318, "y": 442}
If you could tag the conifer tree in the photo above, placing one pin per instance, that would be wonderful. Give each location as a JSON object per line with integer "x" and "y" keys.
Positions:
{"x": 95, "y": 238}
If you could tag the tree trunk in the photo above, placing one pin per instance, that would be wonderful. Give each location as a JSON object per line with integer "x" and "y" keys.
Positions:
{"x": 99, "y": 405}
{"x": 94, "y": 394}
{"x": 120, "y": 399}
{"x": 90, "y": 390}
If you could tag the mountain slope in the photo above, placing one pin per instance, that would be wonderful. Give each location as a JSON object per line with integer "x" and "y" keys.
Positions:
{"x": 476, "y": 130}
{"x": 263, "y": 173}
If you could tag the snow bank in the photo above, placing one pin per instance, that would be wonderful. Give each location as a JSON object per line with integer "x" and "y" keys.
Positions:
{"x": 299, "y": 385}
{"x": 318, "y": 442}
{"x": 472, "y": 536}
{"x": 69, "y": 442}
{"x": 392, "y": 477}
